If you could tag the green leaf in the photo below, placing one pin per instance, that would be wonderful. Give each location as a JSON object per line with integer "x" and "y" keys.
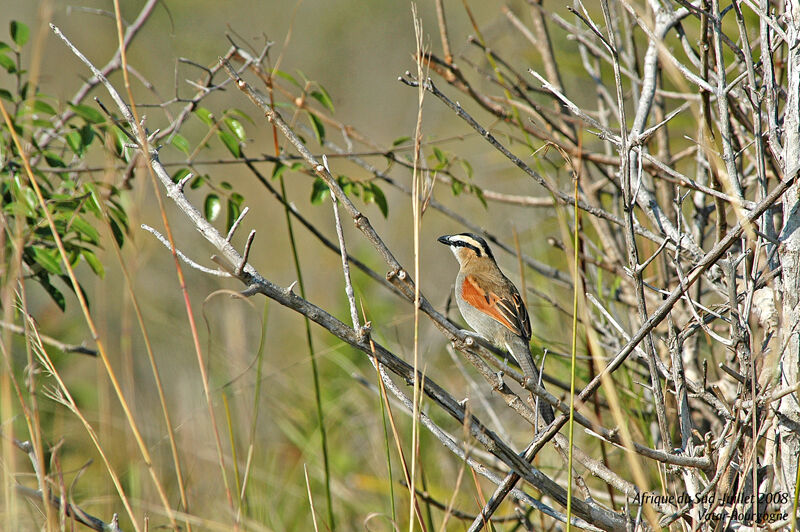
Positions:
{"x": 94, "y": 263}
{"x": 205, "y": 115}
{"x": 94, "y": 204}
{"x": 180, "y": 142}
{"x": 302, "y": 75}
{"x": 75, "y": 142}
{"x": 116, "y": 210}
{"x": 456, "y": 187}
{"x": 25, "y": 196}
{"x": 198, "y": 182}
{"x": 86, "y": 229}
{"x": 74, "y": 257}
{"x": 234, "y": 209}
{"x": 43, "y": 107}
{"x": 212, "y": 207}
{"x": 236, "y": 128}
{"x": 231, "y": 142}
{"x": 79, "y": 139}
{"x": 8, "y": 63}
{"x": 288, "y": 77}
{"x": 19, "y": 33}
{"x": 319, "y": 129}
{"x": 120, "y": 140}
{"x": 240, "y": 114}
{"x": 4, "y": 94}
{"x": 90, "y": 114}
{"x": 54, "y": 160}
{"x": 323, "y": 97}
{"x": 87, "y": 135}
{"x": 117, "y": 231}
{"x": 279, "y": 169}
{"x": 47, "y": 259}
{"x": 55, "y": 293}
{"x": 380, "y": 199}
{"x": 467, "y": 167}
{"x": 366, "y": 194}
{"x": 400, "y": 140}
{"x": 29, "y": 200}
{"x": 479, "y": 194}
{"x": 440, "y": 156}
{"x": 9, "y": 207}
{"x": 319, "y": 191}
{"x": 180, "y": 174}
{"x": 4, "y": 47}
{"x": 347, "y": 185}
{"x": 224, "y": 185}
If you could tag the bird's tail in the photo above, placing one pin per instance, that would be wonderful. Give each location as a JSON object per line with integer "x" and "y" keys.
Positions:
{"x": 522, "y": 352}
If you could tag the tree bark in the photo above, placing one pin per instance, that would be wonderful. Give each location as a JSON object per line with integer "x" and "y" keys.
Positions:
{"x": 790, "y": 262}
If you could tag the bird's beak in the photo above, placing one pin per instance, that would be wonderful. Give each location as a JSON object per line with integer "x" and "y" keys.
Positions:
{"x": 444, "y": 239}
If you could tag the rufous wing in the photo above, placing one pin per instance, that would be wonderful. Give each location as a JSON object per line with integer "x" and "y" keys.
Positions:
{"x": 510, "y": 312}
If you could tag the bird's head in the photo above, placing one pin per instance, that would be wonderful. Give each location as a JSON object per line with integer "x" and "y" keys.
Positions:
{"x": 467, "y": 246}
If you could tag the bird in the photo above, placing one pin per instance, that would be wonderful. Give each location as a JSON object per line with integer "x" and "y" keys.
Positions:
{"x": 491, "y": 305}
